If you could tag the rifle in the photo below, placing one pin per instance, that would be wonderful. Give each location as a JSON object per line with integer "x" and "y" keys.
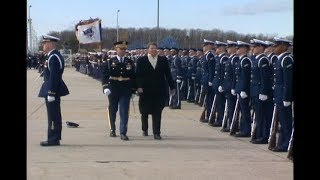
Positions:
{"x": 189, "y": 89}
{"x": 290, "y": 154}
{"x": 182, "y": 84}
{"x": 170, "y": 100}
{"x": 254, "y": 128}
{"x": 212, "y": 116}
{"x": 225, "y": 124}
{"x": 273, "y": 129}
{"x": 200, "y": 96}
{"x": 178, "y": 94}
{"x": 203, "y": 114}
{"x": 196, "y": 97}
{"x": 194, "y": 89}
{"x": 233, "y": 126}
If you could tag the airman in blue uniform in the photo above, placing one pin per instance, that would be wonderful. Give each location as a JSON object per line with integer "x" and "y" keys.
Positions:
{"x": 269, "y": 52}
{"x": 229, "y": 83}
{"x": 243, "y": 90}
{"x": 198, "y": 76}
{"x": 191, "y": 75}
{"x": 217, "y": 82}
{"x": 52, "y": 89}
{"x": 184, "y": 68}
{"x": 283, "y": 92}
{"x": 261, "y": 91}
{"x": 177, "y": 75}
{"x": 118, "y": 83}
{"x": 208, "y": 66}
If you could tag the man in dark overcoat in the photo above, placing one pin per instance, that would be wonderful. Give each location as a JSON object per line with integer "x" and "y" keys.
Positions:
{"x": 152, "y": 72}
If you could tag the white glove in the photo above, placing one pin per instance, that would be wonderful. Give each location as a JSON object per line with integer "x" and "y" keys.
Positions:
{"x": 233, "y": 92}
{"x": 243, "y": 94}
{"x": 107, "y": 91}
{"x": 193, "y": 77}
{"x": 263, "y": 97}
{"x": 210, "y": 83}
{"x": 220, "y": 89}
{"x": 286, "y": 103}
{"x": 51, "y": 98}
{"x": 178, "y": 81}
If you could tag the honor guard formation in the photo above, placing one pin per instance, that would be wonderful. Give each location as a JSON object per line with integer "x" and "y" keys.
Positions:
{"x": 243, "y": 87}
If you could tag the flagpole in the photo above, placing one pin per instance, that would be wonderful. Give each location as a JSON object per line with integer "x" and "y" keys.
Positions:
{"x": 99, "y": 46}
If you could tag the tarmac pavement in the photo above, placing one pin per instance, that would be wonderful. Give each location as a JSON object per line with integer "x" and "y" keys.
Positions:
{"x": 189, "y": 149}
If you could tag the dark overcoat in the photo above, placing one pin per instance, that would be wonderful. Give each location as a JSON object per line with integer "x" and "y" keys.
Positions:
{"x": 153, "y": 82}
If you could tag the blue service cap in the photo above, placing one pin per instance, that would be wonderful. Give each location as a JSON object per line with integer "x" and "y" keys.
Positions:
{"x": 160, "y": 48}
{"x": 278, "y": 41}
{"x": 231, "y": 43}
{"x": 207, "y": 42}
{"x": 219, "y": 43}
{"x": 258, "y": 42}
{"x": 269, "y": 43}
{"x": 200, "y": 49}
{"x": 48, "y": 38}
{"x": 242, "y": 44}
{"x": 192, "y": 49}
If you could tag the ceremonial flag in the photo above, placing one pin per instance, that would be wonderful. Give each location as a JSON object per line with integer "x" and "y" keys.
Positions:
{"x": 89, "y": 31}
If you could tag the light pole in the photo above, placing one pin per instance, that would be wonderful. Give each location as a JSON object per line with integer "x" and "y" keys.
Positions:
{"x": 118, "y": 25}
{"x": 158, "y": 30}
{"x": 30, "y": 31}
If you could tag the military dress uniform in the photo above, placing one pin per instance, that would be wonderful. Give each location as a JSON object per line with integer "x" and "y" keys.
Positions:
{"x": 283, "y": 96}
{"x": 229, "y": 85}
{"x": 191, "y": 77}
{"x": 217, "y": 84}
{"x": 177, "y": 75}
{"x": 185, "y": 59}
{"x": 52, "y": 89}
{"x": 198, "y": 78}
{"x": 261, "y": 93}
{"x": 118, "y": 77}
{"x": 206, "y": 92}
{"x": 244, "y": 90}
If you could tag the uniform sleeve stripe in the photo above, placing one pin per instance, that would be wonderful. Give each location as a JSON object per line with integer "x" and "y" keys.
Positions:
{"x": 284, "y": 59}
{"x": 261, "y": 60}
{"x": 58, "y": 59}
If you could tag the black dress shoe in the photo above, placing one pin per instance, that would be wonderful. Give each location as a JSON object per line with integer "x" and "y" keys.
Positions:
{"x": 278, "y": 149}
{"x": 225, "y": 130}
{"x": 242, "y": 135}
{"x": 176, "y": 107}
{"x": 259, "y": 141}
{"x": 113, "y": 134}
{"x": 215, "y": 124}
{"x": 50, "y": 143}
{"x": 157, "y": 136}
{"x": 124, "y": 137}
{"x": 145, "y": 133}
{"x": 204, "y": 120}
